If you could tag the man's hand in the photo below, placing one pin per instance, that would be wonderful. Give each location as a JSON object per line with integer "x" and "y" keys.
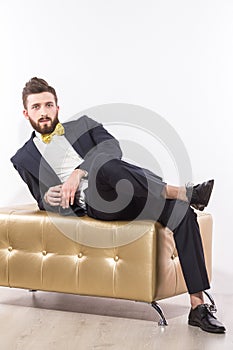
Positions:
{"x": 53, "y": 196}
{"x": 70, "y": 187}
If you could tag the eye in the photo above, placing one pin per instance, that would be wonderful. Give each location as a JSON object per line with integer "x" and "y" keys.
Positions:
{"x": 35, "y": 106}
{"x": 49, "y": 104}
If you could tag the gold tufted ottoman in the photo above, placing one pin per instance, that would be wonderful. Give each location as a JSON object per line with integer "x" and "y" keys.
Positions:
{"x": 137, "y": 261}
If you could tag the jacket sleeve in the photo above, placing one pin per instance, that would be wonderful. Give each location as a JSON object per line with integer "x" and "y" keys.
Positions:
{"x": 36, "y": 188}
{"x": 32, "y": 183}
{"x": 104, "y": 144}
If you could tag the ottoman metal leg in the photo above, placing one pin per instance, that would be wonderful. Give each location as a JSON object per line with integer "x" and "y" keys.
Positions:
{"x": 162, "y": 321}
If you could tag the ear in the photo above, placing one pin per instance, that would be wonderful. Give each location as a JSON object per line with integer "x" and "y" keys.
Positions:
{"x": 25, "y": 113}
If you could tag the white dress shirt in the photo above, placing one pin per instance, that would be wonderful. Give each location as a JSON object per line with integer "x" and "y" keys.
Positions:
{"x": 63, "y": 159}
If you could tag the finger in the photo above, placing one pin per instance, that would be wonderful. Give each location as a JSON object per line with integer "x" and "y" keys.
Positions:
{"x": 55, "y": 190}
{"x": 54, "y": 201}
{"x": 65, "y": 199}
{"x": 72, "y": 195}
{"x": 67, "y": 203}
{"x": 55, "y": 195}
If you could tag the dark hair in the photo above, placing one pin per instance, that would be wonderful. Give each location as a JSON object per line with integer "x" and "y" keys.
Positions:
{"x": 36, "y": 86}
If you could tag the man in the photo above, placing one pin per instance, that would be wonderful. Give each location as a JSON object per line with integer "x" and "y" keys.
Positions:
{"x": 76, "y": 169}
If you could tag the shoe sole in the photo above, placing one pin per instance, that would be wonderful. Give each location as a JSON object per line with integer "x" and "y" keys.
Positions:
{"x": 216, "y": 331}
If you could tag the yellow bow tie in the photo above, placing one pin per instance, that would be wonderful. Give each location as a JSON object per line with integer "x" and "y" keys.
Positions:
{"x": 59, "y": 130}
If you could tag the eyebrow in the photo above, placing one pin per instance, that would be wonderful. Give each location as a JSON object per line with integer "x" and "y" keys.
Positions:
{"x": 39, "y": 103}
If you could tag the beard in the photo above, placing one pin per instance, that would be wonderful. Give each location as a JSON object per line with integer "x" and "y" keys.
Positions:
{"x": 44, "y": 125}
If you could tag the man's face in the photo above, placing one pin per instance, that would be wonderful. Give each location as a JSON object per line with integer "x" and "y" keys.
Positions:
{"x": 42, "y": 112}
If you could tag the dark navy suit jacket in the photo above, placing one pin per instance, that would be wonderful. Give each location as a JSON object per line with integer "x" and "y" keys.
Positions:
{"x": 88, "y": 137}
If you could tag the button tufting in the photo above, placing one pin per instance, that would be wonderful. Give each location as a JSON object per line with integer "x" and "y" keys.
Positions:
{"x": 10, "y": 249}
{"x": 173, "y": 256}
{"x": 116, "y": 258}
{"x": 80, "y": 255}
{"x": 44, "y": 252}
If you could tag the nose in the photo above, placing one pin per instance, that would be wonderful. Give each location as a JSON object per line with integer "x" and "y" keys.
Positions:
{"x": 43, "y": 112}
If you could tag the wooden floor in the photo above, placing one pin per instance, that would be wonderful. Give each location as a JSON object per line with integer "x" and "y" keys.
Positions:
{"x": 56, "y": 321}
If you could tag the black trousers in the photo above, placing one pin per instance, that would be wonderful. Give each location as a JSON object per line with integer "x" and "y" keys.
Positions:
{"x": 121, "y": 191}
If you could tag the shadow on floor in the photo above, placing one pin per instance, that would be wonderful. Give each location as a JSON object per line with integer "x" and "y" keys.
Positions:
{"x": 172, "y": 307}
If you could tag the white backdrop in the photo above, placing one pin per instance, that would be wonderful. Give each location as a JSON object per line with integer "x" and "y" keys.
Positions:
{"x": 172, "y": 57}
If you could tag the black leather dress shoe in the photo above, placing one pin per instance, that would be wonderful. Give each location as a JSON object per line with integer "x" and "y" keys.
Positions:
{"x": 202, "y": 317}
{"x": 199, "y": 195}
